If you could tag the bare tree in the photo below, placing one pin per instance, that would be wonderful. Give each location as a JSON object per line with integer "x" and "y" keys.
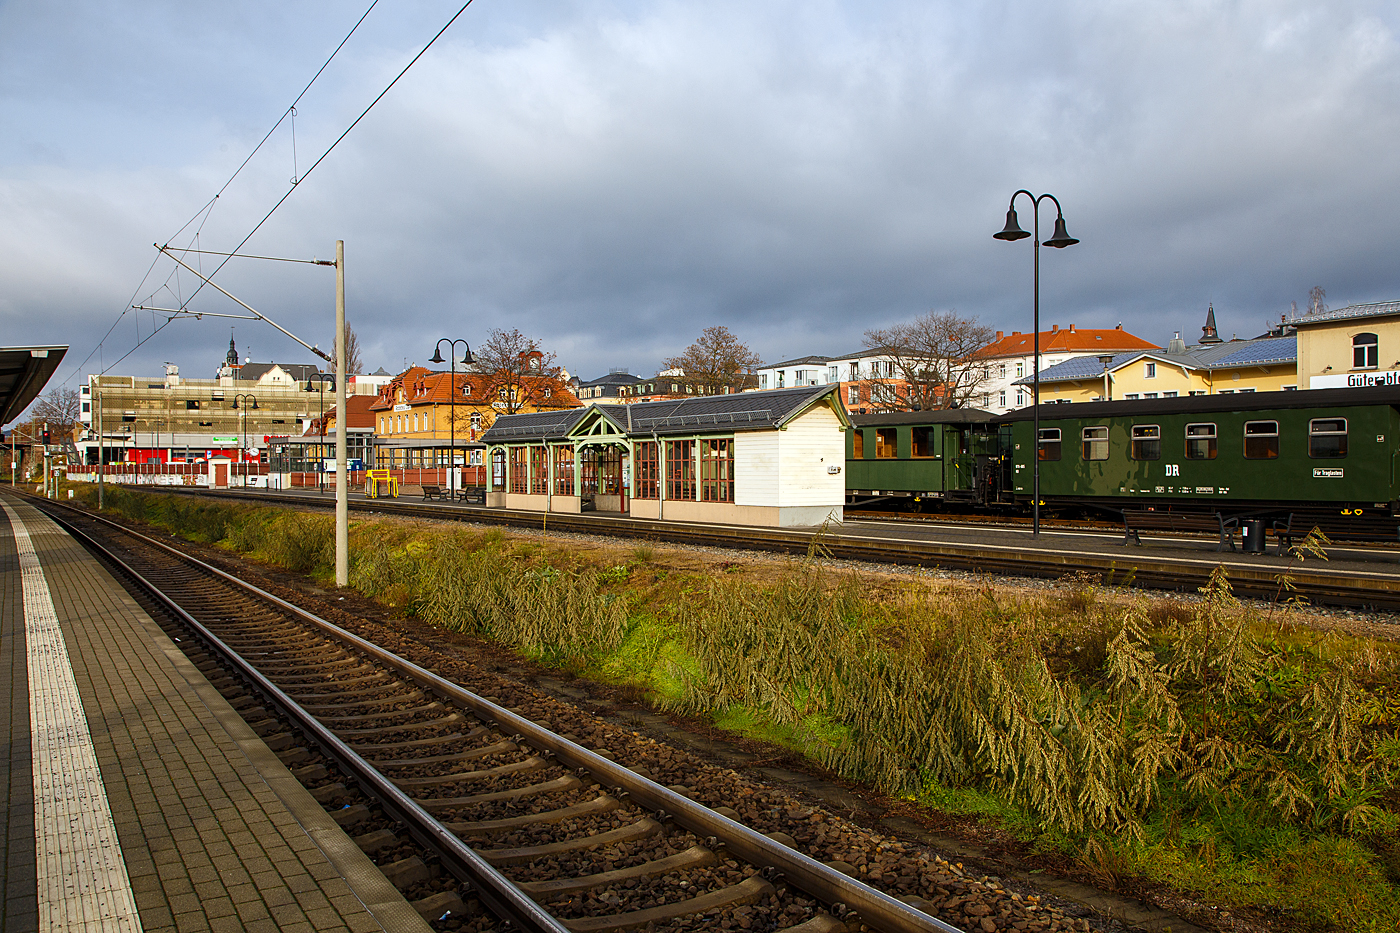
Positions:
{"x": 932, "y": 362}
{"x": 59, "y": 408}
{"x": 717, "y": 361}
{"x": 1316, "y": 299}
{"x": 353, "y": 364}
{"x": 519, "y": 374}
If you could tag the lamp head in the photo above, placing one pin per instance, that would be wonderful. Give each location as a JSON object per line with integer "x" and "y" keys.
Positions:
{"x": 437, "y": 355}
{"x": 1061, "y": 239}
{"x": 1012, "y": 230}
{"x": 467, "y": 358}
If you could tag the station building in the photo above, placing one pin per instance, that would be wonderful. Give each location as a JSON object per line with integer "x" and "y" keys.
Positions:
{"x": 770, "y": 458}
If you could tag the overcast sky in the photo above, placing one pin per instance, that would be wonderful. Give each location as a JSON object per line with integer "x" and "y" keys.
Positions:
{"x": 612, "y": 177}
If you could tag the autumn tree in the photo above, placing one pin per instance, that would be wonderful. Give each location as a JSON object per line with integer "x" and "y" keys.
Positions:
{"x": 932, "y": 362}
{"x": 716, "y": 362}
{"x": 519, "y": 374}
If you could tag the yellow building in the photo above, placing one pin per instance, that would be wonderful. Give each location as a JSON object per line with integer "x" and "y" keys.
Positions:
{"x": 1264, "y": 364}
{"x": 1350, "y": 347}
{"x": 416, "y": 415}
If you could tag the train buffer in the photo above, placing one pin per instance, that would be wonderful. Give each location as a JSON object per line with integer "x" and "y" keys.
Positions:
{"x": 1135, "y": 520}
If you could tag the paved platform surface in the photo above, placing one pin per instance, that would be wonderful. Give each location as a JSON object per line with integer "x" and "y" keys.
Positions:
{"x": 206, "y": 829}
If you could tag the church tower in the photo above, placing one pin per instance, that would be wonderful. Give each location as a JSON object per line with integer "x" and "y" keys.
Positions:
{"x": 1208, "y": 333}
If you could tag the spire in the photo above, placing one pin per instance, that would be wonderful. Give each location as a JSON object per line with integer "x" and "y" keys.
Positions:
{"x": 1208, "y": 334}
{"x": 232, "y": 358}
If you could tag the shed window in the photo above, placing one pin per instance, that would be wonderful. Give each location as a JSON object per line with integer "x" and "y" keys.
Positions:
{"x": 680, "y": 470}
{"x": 563, "y": 471}
{"x": 1365, "y": 352}
{"x": 1049, "y": 444}
{"x": 1327, "y": 438}
{"x": 539, "y": 471}
{"x": 520, "y": 469}
{"x": 1095, "y": 443}
{"x": 885, "y": 443}
{"x": 857, "y": 444}
{"x": 923, "y": 441}
{"x": 1200, "y": 441}
{"x": 717, "y": 469}
{"x": 646, "y": 479}
{"x": 1261, "y": 440}
{"x": 1147, "y": 442}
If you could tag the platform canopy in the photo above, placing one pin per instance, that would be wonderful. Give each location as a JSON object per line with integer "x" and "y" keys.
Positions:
{"x": 24, "y": 371}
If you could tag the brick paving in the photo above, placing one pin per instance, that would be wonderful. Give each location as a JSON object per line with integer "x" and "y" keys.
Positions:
{"x": 215, "y": 832}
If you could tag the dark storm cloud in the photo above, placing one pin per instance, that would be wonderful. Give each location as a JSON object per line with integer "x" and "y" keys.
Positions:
{"x": 615, "y": 179}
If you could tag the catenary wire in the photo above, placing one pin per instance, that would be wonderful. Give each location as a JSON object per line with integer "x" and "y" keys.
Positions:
{"x": 207, "y": 208}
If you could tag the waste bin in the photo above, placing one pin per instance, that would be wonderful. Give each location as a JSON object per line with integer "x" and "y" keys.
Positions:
{"x": 1252, "y": 532}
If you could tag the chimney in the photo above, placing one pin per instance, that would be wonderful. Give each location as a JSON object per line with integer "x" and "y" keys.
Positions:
{"x": 1054, "y": 328}
{"x": 1000, "y": 335}
{"x": 1015, "y": 333}
{"x": 1071, "y": 328}
{"x": 1120, "y": 326}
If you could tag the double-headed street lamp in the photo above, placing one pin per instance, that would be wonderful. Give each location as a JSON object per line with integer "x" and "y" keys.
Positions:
{"x": 451, "y": 361}
{"x": 1060, "y": 239}
{"x": 320, "y": 380}
{"x": 247, "y": 397}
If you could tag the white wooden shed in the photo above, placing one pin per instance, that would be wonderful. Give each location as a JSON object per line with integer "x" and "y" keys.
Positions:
{"x": 752, "y": 458}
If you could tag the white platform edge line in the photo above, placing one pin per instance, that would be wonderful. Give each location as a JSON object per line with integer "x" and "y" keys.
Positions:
{"x": 81, "y": 876}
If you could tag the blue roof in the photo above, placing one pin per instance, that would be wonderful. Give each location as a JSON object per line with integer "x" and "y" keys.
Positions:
{"x": 1275, "y": 350}
{"x": 1080, "y": 367}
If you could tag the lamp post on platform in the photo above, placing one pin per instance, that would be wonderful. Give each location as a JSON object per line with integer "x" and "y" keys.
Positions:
{"x": 467, "y": 360}
{"x": 243, "y": 453}
{"x": 1060, "y": 239}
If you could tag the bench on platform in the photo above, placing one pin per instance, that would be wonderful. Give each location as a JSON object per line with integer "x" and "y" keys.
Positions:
{"x": 1135, "y": 520}
{"x": 434, "y": 492}
{"x": 472, "y": 494}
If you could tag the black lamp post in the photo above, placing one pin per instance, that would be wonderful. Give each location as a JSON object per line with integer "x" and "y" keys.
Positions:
{"x": 1060, "y": 239}
{"x": 320, "y": 380}
{"x": 451, "y": 361}
{"x": 246, "y": 396}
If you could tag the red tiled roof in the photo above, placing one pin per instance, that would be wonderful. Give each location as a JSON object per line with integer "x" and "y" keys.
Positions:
{"x": 1068, "y": 340}
{"x": 424, "y": 387}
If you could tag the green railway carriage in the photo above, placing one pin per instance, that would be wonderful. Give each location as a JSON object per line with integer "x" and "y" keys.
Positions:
{"x": 1323, "y": 452}
{"x": 922, "y": 458}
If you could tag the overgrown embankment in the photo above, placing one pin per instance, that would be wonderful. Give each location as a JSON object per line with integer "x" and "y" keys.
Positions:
{"x": 1196, "y": 744}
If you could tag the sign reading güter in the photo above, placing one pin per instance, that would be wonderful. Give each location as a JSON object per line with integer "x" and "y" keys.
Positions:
{"x": 1355, "y": 380}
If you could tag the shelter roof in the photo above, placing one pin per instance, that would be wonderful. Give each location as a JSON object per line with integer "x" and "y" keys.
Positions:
{"x": 24, "y": 371}
{"x": 738, "y": 411}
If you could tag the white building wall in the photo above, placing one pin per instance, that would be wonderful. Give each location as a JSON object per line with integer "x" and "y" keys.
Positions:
{"x": 806, "y": 448}
{"x": 756, "y": 467}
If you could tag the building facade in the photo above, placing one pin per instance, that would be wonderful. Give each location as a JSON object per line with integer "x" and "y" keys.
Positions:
{"x": 1009, "y": 360}
{"x": 1352, "y": 347}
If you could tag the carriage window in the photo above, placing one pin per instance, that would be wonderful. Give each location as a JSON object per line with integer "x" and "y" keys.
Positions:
{"x": 1200, "y": 442}
{"x": 885, "y": 443}
{"x": 1049, "y": 444}
{"x": 857, "y": 444}
{"x": 1147, "y": 442}
{"x": 1327, "y": 438}
{"x": 1095, "y": 443}
{"x": 1260, "y": 440}
{"x": 1365, "y": 352}
{"x": 923, "y": 441}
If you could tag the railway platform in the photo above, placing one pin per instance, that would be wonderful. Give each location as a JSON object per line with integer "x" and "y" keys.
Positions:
{"x": 136, "y": 797}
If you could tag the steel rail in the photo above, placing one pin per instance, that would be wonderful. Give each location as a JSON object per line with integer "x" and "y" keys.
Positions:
{"x": 1358, "y": 589}
{"x": 874, "y": 907}
{"x": 499, "y": 894}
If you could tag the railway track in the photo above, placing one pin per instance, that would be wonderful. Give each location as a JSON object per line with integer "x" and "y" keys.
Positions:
{"x": 485, "y": 817}
{"x": 1319, "y": 584}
